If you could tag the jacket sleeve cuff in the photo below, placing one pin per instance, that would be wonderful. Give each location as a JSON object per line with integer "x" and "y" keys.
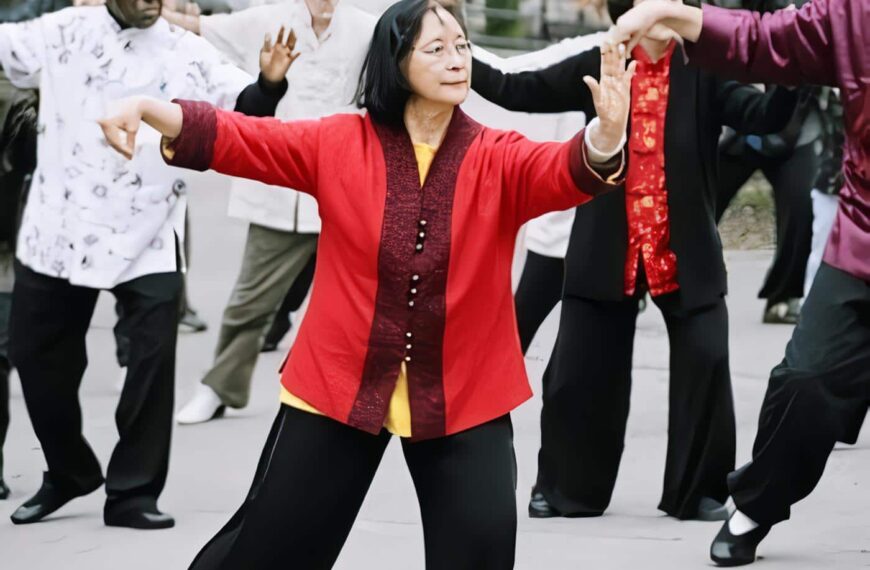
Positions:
{"x": 598, "y": 178}
{"x": 193, "y": 148}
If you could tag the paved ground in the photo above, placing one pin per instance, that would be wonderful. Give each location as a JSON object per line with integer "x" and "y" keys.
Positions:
{"x": 212, "y": 464}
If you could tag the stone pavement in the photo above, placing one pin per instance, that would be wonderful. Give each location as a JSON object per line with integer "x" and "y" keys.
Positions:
{"x": 212, "y": 464}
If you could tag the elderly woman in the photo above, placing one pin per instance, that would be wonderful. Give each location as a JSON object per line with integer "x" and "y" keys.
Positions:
{"x": 411, "y": 328}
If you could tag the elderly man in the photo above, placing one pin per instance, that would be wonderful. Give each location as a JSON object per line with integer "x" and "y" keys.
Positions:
{"x": 92, "y": 222}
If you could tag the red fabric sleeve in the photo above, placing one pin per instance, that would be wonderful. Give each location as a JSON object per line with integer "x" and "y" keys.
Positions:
{"x": 547, "y": 177}
{"x": 788, "y": 46}
{"x": 259, "y": 148}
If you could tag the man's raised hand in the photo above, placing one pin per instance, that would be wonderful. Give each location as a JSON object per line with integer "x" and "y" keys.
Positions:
{"x": 276, "y": 59}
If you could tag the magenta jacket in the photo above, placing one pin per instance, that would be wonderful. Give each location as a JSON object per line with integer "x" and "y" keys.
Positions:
{"x": 826, "y": 42}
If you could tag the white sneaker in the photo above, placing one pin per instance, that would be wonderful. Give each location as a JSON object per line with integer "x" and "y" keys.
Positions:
{"x": 204, "y": 406}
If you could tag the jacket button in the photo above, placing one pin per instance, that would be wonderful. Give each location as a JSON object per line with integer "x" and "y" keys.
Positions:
{"x": 407, "y": 359}
{"x": 422, "y": 222}
{"x": 409, "y": 335}
{"x": 409, "y": 346}
{"x": 415, "y": 277}
{"x": 419, "y": 247}
{"x": 410, "y": 303}
{"x": 413, "y": 291}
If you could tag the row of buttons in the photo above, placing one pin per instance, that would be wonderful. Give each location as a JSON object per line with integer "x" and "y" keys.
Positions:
{"x": 415, "y": 282}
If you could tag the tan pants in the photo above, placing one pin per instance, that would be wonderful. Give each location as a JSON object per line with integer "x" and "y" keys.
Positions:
{"x": 273, "y": 259}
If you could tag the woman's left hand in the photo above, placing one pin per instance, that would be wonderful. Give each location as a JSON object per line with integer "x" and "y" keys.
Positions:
{"x": 611, "y": 96}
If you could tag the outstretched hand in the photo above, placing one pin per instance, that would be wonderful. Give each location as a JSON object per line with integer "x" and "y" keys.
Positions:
{"x": 121, "y": 128}
{"x": 611, "y": 96}
{"x": 659, "y": 20}
{"x": 276, "y": 59}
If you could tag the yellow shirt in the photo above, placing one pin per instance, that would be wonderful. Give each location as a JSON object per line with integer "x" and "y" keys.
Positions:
{"x": 398, "y": 420}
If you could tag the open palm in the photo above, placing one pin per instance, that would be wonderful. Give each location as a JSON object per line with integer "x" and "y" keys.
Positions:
{"x": 611, "y": 94}
{"x": 276, "y": 59}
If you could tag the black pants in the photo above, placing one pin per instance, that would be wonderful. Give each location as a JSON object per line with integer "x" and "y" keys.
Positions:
{"x": 5, "y": 367}
{"x": 315, "y": 472}
{"x": 292, "y": 301}
{"x": 587, "y": 387}
{"x": 817, "y": 396}
{"x": 792, "y": 180}
{"x": 539, "y": 290}
{"x": 50, "y": 318}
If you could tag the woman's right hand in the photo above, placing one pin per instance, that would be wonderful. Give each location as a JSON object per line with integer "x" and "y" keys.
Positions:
{"x": 276, "y": 59}
{"x": 121, "y": 127}
{"x": 611, "y": 96}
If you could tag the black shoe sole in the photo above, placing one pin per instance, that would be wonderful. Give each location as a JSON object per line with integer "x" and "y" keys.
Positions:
{"x": 135, "y": 523}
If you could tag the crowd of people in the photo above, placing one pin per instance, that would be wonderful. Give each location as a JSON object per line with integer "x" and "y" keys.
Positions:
{"x": 362, "y": 179}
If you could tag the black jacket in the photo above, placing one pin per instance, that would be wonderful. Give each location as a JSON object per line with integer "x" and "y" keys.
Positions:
{"x": 699, "y": 104}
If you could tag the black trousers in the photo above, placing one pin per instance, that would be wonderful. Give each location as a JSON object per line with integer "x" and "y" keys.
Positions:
{"x": 586, "y": 393}
{"x": 817, "y": 396}
{"x": 792, "y": 180}
{"x": 292, "y": 301}
{"x": 50, "y": 318}
{"x": 5, "y": 367}
{"x": 315, "y": 472}
{"x": 539, "y": 290}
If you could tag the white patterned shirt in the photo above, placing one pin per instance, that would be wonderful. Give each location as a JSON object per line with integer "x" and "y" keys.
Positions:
{"x": 92, "y": 217}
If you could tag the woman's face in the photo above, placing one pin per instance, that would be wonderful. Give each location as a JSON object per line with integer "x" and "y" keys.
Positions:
{"x": 438, "y": 68}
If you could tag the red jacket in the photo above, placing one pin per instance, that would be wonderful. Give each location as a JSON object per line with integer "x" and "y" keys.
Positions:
{"x": 399, "y": 266}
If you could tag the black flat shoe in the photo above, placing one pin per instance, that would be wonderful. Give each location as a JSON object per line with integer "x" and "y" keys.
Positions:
{"x": 729, "y": 550}
{"x": 48, "y": 499}
{"x": 712, "y": 510}
{"x": 539, "y": 508}
{"x": 138, "y": 519}
{"x": 4, "y": 490}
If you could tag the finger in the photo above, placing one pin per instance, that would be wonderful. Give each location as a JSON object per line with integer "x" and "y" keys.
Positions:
{"x": 594, "y": 88}
{"x": 131, "y": 142}
{"x": 280, "y": 40}
{"x": 629, "y": 73}
{"x": 291, "y": 40}
{"x": 267, "y": 43}
{"x": 112, "y": 134}
{"x": 609, "y": 61}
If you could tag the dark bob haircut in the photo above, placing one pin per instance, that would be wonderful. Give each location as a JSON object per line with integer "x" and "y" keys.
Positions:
{"x": 616, "y": 8}
{"x": 383, "y": 89}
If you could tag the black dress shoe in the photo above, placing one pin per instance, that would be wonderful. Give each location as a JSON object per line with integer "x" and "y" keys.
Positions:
{"x": 712, "y": 510}
{"x": 730, "y": 550}
{"x": 269, "y": 346}
{"x": 48, "y": 499}
{"x": 4, "y": 490}
{"x": 138, "y": 518}
{"x": 539, "y": 508}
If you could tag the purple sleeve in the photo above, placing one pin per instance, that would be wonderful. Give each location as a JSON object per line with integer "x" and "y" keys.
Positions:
{"x": 193, "y": 148}
{"x": 788, "y": 46}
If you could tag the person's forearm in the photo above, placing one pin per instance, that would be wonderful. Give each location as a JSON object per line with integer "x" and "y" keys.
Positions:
{"x": 166, "y": 118}
{"x": 687, "y": 21}
{"x": 189, "y": 22}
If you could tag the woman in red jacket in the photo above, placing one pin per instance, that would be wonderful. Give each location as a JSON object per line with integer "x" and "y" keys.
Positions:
{"x": 411, "y": 328}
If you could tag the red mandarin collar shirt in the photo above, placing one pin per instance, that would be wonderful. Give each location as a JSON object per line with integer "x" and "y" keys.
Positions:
{"x": 646, "y": 193}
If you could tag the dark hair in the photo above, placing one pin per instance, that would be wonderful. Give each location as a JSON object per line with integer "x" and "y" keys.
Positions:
{"x": 383, "y": 89}
{"x": 617, "y": 8}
